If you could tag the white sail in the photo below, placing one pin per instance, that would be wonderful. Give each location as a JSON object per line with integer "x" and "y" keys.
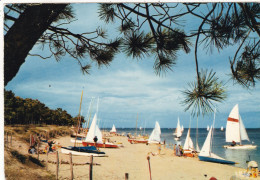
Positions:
{"x": 207, "y": 128}
{"x": 113, "y": 129}
{"x": 221, "y": 128}
{"x": 233, "y": 127}
{"x": 206, "y": 149}
{"x": 156, "y": 133}
{"x": 94, "y": 131}
{"x": 243, "y": 133}
{"x": 188, "y": 142}
{"x": 98, "y": 133}
{"x": 182, "y": 128}
{"x": 178, "y": 129}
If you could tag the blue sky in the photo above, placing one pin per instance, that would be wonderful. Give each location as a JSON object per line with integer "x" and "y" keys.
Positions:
{"x": 129, "y": 86}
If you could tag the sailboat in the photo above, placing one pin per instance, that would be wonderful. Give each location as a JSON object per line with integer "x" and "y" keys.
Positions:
{"x": 236, "y": 131}
{"x": 207, "y": 128}
{"x": 155, "y": 137}
{"x": 113, "y": 130}
{"x": 221, "y": 129}
{"x": 182, "y": 128}
{"x": 178, "y": 131}
{"x": 85, "y": 151}
{"x": 206, "y": 152}
{"x": 95, "y": 131}
{"x": 188, "y": 147}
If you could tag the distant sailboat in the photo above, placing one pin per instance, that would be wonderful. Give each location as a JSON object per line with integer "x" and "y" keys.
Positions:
{"x": 207, "y": 128}
{"x": 206, "y": 151}
{"x": 113, "y": 130}
{"x": 221, "y": 129}
{"x": 178, "y": 131}
{"x": 182, "y": 128}
{"x": 155, "y": 136}
{"x": 236, "y": 131}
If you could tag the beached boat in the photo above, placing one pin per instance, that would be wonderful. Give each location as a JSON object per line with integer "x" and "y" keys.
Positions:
{"x": 155, "y": 137}
{"x": 236, "y": 131}
{"x": 188, "y": 147}
{"x": 178, "y": 131}
{"x": 82, "y": 151}
{"x": 113, "y": 130}
{"x": 95, "y": 131}
{"x": 136, "y": 140}
{"x": 206, "y": 152}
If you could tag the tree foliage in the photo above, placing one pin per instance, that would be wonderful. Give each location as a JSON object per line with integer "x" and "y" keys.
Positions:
{"x": 29, "y": 111}
{"x": 147, "y": 29}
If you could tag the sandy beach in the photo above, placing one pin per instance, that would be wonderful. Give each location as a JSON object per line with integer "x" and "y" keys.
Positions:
{"x": 132, "y": 159}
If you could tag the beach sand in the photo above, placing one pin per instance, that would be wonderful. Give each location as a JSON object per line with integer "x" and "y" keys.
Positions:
{"x": 132, "y": 159}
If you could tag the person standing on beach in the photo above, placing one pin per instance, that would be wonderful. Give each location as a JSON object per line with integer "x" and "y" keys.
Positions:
{"x": 95, "y": 139}
{"x": 159, "y": 148}
{"x": 178, "y": 151}
{"x": 174, "y": 149}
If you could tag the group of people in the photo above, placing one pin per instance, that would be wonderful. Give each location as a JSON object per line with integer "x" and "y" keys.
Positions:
{"x": 178, "y": 150}
{"x": 49, "y": 148}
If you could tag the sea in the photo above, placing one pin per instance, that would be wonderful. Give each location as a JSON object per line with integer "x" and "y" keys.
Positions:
{"x": 239, "y": 156}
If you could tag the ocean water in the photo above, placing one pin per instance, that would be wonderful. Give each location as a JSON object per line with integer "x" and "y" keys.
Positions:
{"x": 239, "y": 156}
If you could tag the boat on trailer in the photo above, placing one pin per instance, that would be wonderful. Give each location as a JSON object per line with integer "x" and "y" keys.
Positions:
{"x": 236, "y": 131}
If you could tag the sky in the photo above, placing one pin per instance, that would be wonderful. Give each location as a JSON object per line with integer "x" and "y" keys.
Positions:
{"x": 129, "y": 89}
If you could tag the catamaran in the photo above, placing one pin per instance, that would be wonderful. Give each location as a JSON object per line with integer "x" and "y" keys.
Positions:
{"x": 178, "y": 131}
{"x": 93, "y": 132}
{"x": 155, "y": 137}
{"x": 236, "y": 131}
{"x": 206, "y": 152}
{"x": 113, "y": 130}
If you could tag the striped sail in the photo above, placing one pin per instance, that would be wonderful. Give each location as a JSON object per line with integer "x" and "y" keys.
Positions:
{"x": 233, "y": 127}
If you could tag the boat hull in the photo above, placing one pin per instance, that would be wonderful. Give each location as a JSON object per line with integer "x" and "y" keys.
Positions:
{"x": 241, "y": 147}
{"x": 215, "y": 160}
{"x": 137, "y": 141}
{"x": 82, "y": 152}
{"x": 99, "y": 145}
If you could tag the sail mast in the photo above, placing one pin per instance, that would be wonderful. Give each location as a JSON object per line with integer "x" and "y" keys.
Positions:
{"x": 197, "y": 134}
{"x": 79, "y": 118}
{"x": 136, "y": 125}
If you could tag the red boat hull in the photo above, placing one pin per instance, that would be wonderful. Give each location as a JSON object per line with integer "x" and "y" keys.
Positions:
{"x": 137, "y": 141}
{"x": 99, "y": 145}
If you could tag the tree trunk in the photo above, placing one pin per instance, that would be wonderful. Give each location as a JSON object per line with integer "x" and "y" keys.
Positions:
{"x": 24, "y": 33}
